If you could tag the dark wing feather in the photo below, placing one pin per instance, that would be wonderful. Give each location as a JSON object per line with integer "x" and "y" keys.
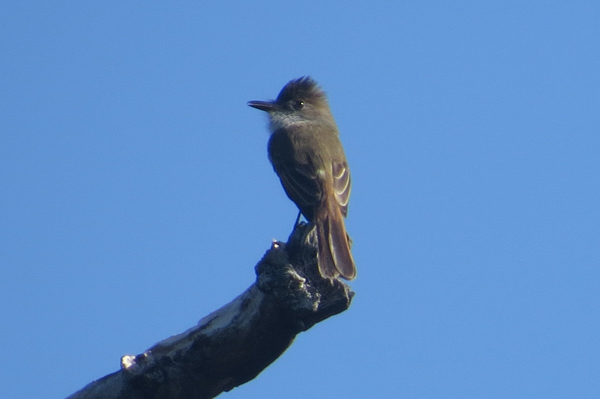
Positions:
{"x": 342, "y": 185}
{"x": 300, "y": 185}
{"x": 300, "y": 180}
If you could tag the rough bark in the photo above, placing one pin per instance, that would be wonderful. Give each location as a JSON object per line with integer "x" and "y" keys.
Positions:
{"x": 234, "y": 344}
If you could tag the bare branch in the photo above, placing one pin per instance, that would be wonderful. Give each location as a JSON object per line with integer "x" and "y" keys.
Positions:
{"x": 235, "y": 343}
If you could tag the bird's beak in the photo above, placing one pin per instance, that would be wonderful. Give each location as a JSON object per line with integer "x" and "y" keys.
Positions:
{"x": 266, "y": 106}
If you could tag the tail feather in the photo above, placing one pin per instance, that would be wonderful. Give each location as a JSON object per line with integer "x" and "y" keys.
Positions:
{"x": 335, "y": 258}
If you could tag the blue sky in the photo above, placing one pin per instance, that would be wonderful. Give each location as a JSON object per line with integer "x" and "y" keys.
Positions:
{"x": 137, "y": 195}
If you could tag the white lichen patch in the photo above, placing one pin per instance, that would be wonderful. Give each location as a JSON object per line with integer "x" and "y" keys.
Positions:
{"x": 239, "y": 312}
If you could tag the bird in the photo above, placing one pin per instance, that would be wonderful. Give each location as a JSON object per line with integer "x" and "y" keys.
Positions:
{"x": 306, "y": 153}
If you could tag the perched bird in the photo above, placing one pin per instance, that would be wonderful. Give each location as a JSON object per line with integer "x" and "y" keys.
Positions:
{"x": 309, "y": 159}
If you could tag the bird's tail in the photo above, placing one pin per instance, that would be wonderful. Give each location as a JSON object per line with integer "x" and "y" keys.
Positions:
{"x": 335, "y": 258}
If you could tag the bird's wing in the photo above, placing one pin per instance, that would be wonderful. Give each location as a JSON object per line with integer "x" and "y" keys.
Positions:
{"x": 299, "y": 179}
{"x": 342, "y": 185}
{"x": 301, "y": 185}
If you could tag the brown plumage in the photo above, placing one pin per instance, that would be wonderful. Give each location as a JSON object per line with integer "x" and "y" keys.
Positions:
{"x": 309, "y": 159}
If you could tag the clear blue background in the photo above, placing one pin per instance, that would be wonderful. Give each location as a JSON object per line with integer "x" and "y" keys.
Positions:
{"x": 136, "y": 195}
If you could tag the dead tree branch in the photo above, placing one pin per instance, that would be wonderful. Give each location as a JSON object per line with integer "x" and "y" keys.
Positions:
{"x": 234, "y": 344}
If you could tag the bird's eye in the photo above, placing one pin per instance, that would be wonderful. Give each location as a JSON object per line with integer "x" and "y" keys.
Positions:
{"x": 299, "y": 104}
